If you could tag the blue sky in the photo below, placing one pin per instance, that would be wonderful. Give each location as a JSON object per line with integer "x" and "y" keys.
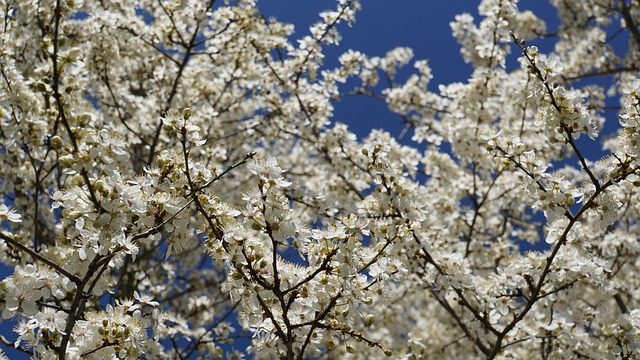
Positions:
{"x": 381, "y": 26}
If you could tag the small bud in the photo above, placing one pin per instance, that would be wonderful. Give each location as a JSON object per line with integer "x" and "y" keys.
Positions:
{"x": 369, "y": 319}
{"x": 66, "y": 161}
{"x": 57, "y": 143}
{"x": 40, "y": 86}
{"x": 99, "y": 185}
{"x": 186, "y": 113}
{"x": 72, "y": 215}
{"x": 78, "y": 180}
{"x": 256, "y": 226}
{"x": 84, "y": 119}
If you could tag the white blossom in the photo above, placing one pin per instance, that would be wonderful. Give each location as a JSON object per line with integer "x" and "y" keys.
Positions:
{"x": 175, "y": 184}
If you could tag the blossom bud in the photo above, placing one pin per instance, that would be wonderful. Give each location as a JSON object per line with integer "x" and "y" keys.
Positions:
{"x": 66, "y": 160}
{"x": 78, "y": 180}
{"x": 99, "y": 185}
{"x": 57, "y": 143}
{"x": 71, "y": 215}
{"x": 256, "y": 226}
{"x": 84, "y": 119}
{"x": 186, "y": 113}
{"x": 40, "y": 86}
{"x": 369, "y": 319}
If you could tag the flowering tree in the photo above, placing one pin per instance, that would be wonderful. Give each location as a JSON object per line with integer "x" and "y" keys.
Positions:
{"x": 173, "y": 186}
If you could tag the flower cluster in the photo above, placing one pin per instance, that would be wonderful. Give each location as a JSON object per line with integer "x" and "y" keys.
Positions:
{"x": 174, "y": 182}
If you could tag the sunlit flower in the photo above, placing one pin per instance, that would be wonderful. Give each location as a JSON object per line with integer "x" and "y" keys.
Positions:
{"x": 8, "y": 213}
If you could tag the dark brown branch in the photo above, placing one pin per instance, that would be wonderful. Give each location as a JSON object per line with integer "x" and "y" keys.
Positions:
{"x": 40, "y": 258}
